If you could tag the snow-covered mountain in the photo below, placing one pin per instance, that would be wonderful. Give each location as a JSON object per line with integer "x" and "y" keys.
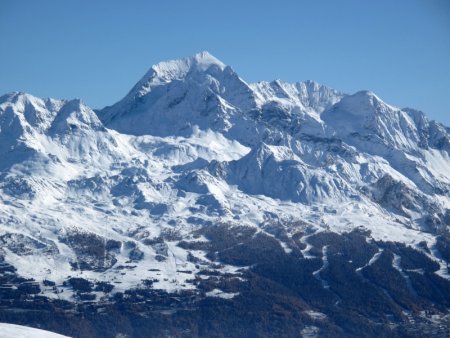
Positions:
{"x": 138, "y": 194}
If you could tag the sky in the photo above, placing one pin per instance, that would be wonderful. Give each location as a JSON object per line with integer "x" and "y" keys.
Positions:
{"x": 97, "y": 50}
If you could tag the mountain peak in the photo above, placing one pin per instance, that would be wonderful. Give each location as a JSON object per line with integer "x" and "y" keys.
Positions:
{"x": 27, "y": 109}
{"x": 312, "y": 97}
{"x": 366, "y": 96}
{"x": 179, "y": 68}
{"x": 19, "y": 98}
{"x": 364, "y": 115}
{"x": 204, "y": 57}
{"x": 364, "y": 104}
{"x": 174, "y": 95}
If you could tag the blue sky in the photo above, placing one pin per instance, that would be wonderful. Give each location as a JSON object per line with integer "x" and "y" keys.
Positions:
{"x": 97, "y": 50}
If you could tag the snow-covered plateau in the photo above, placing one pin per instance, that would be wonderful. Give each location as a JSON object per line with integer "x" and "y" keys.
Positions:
{"x": 146, "y": 193}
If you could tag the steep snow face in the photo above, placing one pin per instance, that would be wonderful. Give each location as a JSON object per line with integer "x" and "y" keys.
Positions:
{"x": 412, "y": 145}
{"x": 312, "y": 97}
{"x": 363, "y": 115}
{"x": 200, "y": 91}
{"x": 62, "y": 131}
{"x": 192, "y": 145}
{"x": 293, "y": 108}
{"x": 178, "y": 69}
{"x": 29, "y": 110}
{"x": 174, "y": 96}
{"x": 21, "y": 117}
{"x": 54, "y": 130}
{"x": 372, "y": 125}
{"x": 432, "y": 134}
{"x": 296, "y": 181}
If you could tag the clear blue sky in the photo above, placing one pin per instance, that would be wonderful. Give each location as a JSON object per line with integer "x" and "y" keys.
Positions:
{"x": 96, "y": 50}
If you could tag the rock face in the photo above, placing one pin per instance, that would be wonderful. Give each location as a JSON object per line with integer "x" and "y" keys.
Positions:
{"x": 198, "y": 192}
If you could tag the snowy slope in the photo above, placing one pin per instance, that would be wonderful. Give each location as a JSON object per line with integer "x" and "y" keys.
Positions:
{"x": 18, "y": 331}
{"x": 173, "y": 96}
{"x": 117, "y": 195}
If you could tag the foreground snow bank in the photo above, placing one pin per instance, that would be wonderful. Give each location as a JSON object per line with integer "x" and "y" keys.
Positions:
{"x": 18, "y": 331}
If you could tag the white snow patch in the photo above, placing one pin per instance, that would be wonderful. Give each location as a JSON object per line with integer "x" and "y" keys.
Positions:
{"x": 221, "y": 294}
{"x": 18, "y": 331}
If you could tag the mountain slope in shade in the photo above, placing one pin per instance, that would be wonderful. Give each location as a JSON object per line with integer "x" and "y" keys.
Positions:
{"x": 197, "y": 184}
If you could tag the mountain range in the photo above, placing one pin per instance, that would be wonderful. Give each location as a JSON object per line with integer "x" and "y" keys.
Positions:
{"x": 205, "y": 205}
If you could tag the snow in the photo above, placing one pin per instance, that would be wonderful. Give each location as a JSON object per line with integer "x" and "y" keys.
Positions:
{"x": 220, "y": 294}
{"x": 18, "y": 331}
{"x": 192, "y": 145}
{"x": 310, "y": 96}
{"x": 316, "y": 315}
{"x": 324, "y": 266}
{"x": 310, "y": 331}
